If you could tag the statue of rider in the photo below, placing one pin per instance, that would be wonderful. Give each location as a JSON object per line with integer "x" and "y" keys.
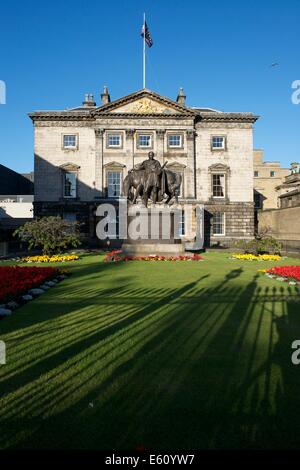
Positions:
{"x": 152, "y": 177}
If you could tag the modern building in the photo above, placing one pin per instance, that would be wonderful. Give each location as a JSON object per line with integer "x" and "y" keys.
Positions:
{"x": 83, "y": 154}
{"x": 12, "y": 182}
{"x": 267, "y": 176}
{"x": 16, "y": 205}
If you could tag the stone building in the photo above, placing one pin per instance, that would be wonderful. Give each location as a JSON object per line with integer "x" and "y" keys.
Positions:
{"x": 283, "y": 223}
{"x": 267, "y": 176}
{"x": 83, "y": 154}
{"x": 289, "y": 191}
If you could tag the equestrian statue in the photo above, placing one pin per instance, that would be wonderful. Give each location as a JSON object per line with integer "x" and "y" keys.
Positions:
{"x": 150, "y": 180}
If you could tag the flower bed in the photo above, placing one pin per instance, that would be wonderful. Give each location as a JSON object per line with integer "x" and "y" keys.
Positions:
{"x": 50, "y": 259}
{"x": 17, "y": 280}
{"x": 115, "y": 256}
{"x": 250, "y": 257}
{"x": 285, "y": 273}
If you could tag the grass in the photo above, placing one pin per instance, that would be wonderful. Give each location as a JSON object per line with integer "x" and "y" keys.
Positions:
{"x": 187, "y": 355}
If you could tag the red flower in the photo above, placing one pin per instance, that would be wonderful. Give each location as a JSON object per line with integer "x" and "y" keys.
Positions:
{"x": 289, "y": 272}
{"x": 17, "y": 280}
{"x": 112, "y": 257}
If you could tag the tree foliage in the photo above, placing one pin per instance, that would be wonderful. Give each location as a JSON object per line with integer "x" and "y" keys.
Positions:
{"x": 52, "y": 234}
{"x": 262, "y": 243}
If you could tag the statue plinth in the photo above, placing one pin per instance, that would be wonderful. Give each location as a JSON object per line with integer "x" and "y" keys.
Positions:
{"x": 153, "y": 231}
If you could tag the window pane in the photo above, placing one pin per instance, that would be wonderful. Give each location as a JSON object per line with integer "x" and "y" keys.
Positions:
{"x": 114, "y": 140}
{"x": 112, "y": 228}
{"x": 182, "y": 225}
{"x": 174, "y": 140}
{"x": 69, "y": 140}
{"x": 218, "y": 223}
{"x": 70, "y": 217}
{"x": 144, "y": 140}
{"x": 114, "y": 183}
{"x": 70, "y": 185}
{"x": 218, "y": 142}
{"x": 218, "y": 185}
{"x": 257, "y": 200}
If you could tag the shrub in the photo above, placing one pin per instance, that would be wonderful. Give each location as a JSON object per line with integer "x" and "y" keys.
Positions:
{"x": 52, "y": 234}
{"x": 260, "y": 245}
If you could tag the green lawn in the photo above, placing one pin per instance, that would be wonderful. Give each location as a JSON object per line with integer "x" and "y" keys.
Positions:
{"x": 179, "y": 355}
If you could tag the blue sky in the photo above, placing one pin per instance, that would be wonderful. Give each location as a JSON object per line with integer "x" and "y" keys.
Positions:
{"x": 219, "y": 51}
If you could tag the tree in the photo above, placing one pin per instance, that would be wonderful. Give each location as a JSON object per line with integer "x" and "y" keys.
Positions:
{"x": 262, "y": 243}
{"x": 52, "y": 234}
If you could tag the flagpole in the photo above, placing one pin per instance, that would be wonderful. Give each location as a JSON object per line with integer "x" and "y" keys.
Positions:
{"x": 144, "y": 53}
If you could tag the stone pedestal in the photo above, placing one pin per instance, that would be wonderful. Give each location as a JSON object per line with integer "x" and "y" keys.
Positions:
{"x": 152, "y": 231}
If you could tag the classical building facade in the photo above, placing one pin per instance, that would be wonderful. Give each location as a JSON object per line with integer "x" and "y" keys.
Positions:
{"x": 83, "y": 154}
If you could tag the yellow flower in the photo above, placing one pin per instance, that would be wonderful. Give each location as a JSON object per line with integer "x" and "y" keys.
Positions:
{"x": 250, "y": 257}
{"x": 50, "y": 259}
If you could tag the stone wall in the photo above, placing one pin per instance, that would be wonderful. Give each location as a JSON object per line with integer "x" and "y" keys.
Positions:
{"x": 284, "y": 225}
{"x": 239, "y": 223}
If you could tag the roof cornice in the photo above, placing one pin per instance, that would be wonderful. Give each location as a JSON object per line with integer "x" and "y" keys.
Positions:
{"x": 144, "y": 116}
{"x": 60, "y": 116}
{"x": 228, "y": 117}
{"x": 105, "y": 111}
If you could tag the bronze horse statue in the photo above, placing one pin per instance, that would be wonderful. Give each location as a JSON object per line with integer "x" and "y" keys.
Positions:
{"x": 134, "y": 180}
{"x": 171, "y": 183}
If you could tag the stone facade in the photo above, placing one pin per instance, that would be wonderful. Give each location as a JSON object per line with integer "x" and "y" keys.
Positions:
{"x": 213, "y": 153}
{"x": 289, "y": 191}
{"x": 267, "y": 176}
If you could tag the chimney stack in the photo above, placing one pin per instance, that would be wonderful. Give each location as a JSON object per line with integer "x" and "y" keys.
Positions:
{"x": 88, "y": 101}
{"x": 181, "y": 97}
{"x": 105, "y": 96}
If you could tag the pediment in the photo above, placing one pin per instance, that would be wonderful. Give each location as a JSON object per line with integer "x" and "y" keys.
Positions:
{"x": 144, "y": 102}
{"x": 69, "y": 167}
{"x": 176, "y": 166}
{"x": 219, "y": 167}
{"x": 145, "y": 106}
{"x": 114, "y": 165}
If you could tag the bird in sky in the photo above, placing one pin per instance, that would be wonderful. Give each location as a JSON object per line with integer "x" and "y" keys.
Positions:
{"x": 276, "y": 64}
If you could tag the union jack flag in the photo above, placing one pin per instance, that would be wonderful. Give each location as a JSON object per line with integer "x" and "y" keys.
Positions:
{"x": 145, "y": 32}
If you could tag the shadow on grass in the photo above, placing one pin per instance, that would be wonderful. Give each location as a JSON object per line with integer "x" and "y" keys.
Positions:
{"x": 186, "y": 368}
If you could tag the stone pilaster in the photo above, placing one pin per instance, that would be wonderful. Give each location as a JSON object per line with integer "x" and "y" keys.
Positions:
{"x": 160, "y": 137}
{"x": 190, "y": 174}
{"x": 99, "y": 135}
{"x": 129, "y": 146}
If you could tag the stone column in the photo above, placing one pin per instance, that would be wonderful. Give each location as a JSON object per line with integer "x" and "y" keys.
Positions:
{"x": 160, "y": 137}
{"x": 190, "y": 171}
{"x": 99, "y": 162}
